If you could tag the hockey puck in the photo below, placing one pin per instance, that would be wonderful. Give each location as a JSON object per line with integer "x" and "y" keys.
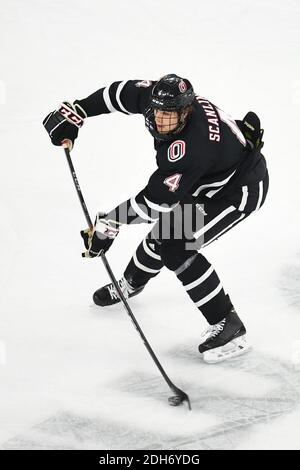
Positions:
{"x": 176, "y": 400}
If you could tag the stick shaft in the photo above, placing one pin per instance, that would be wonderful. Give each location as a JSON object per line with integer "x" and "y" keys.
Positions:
{"x": 78, "y": 189}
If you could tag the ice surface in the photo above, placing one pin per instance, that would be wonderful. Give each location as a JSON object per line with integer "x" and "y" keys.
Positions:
{"x": 73, "y": 376}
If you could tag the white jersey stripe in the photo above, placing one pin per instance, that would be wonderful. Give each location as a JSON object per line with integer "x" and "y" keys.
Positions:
{"x": 224, "y": 230}
{"x": 209, "y": 296}
{"x": 149, "y": 251}
{"x": 107, "y": 100}
{"x": 260, "y": 195}
{"x": 244, "y": 198}
{"x": 157, "y": 207}
{"x": 200, "y": 280}
{"x": 143, "y": 267}
{"x": 140, "y": 212}
{"x": 213, "y": 192}
{"x": 214, "y": 221}
{"x": 119, "y": 89}
{"x": 213, "y": 185}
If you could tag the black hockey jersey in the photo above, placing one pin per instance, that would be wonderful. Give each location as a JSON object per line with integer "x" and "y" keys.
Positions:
{"x": 210, "y": 157}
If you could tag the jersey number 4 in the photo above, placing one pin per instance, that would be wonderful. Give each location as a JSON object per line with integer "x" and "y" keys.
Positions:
{"x": 173, "y": 181}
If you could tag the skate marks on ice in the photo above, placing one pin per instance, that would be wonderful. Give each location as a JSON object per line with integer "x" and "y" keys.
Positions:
{"x": 69, "y": 431}
{"x": 289, "y": 282}
{"x": 228, "y": 399}
{"x": 63, "y": 431}
{"x": 248, "y": 390}
{"x": 137, "y": 416}
{"x": 243, "y": 392}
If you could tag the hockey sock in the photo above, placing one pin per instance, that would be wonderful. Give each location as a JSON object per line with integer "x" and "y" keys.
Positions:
{"x": 145, "y": 263}
{"x": 203, "y": 286}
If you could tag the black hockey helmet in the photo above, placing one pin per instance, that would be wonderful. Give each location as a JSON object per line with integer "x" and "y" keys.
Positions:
{"x": 170, "y": 93}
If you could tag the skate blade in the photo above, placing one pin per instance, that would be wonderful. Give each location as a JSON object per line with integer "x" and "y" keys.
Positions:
{"x": 234, "y": 348}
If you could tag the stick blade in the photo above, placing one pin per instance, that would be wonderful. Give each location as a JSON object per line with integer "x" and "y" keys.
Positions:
{"x": 179, "y": 399}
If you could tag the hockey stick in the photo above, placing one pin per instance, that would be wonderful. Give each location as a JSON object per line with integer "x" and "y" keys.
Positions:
{"x": 179, "y": 396}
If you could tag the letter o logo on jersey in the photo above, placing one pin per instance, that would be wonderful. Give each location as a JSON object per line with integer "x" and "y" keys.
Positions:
{"x": 176, "y": 151}
{"x": 182, "y": 86}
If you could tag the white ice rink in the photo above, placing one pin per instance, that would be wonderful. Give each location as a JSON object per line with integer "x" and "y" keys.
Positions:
{"x": 74, "y": 376}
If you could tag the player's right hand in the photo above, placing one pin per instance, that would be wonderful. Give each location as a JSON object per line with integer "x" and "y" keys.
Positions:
{"x": 99, "y": 238}
{"x": 64, "y": 123}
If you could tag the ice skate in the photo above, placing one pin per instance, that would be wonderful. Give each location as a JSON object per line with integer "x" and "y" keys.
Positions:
{"x": 225, "y": 340}
{"x": 107, "y": 295}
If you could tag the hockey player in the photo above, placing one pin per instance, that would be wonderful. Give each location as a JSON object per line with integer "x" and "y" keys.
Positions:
{"x": 209, "y": 167}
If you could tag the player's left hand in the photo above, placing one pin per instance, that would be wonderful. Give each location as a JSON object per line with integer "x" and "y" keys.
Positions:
{"x": 99, "y": 239}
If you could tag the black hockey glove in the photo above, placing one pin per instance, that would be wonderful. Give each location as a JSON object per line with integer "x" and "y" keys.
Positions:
{"x": 251, "y": 128}
{"x": 100, "y": 238}
{"x": 65, "y": 122}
